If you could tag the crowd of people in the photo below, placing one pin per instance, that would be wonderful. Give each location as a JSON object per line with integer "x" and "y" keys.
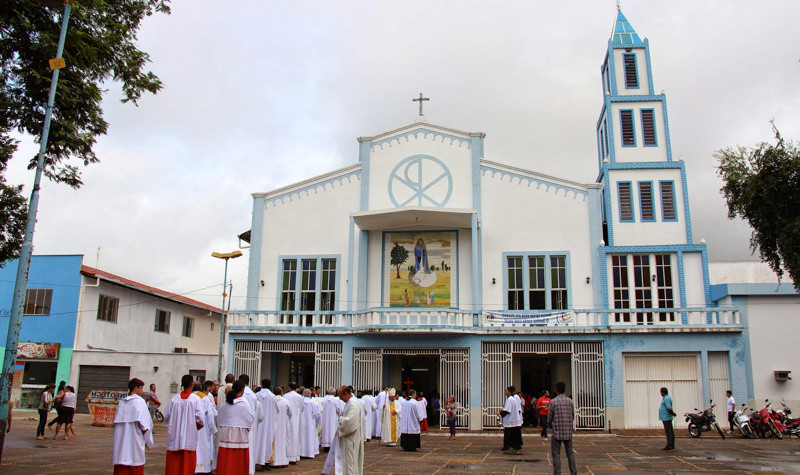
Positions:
{"x": 238, "y": 429}
{"x": 63, "y": 401}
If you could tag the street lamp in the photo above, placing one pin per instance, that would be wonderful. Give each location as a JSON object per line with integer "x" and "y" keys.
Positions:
{"x": 226, "y": 256}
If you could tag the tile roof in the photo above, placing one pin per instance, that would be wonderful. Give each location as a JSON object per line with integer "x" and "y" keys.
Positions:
{"x": 624, "y": 33}
{"x": 97, "y": 273}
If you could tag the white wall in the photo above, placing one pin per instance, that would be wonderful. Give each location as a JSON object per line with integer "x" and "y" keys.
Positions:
{"x": 641, "y": 68}
{"x": 693, "y": 279}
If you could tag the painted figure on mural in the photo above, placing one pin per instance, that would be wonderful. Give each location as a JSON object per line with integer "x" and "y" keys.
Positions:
{"x": 421, "y": 256}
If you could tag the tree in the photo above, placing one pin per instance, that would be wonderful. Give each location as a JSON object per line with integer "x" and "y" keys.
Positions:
{"x": 99, "y": 48}
{"x": 762, "y": 186}
{"x": 399, "y": 256}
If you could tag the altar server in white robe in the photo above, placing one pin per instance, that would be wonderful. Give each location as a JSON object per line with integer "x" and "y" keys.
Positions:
{"x": 347, "y": 454}
{"x": 266, "y": 428}
{"x": 380, "y": 400}
{"x": 368, "y": 403}
{"x": 309, "y": 440}
{"x": 331, "y": 408}
{"x": 251, "y": 399}
{"x": 296, "y": 401}
{"x": 283, "y": 428}
{"x": 184, "y": 418}
{"x": 412, "y": 415}
{"x": 235, "y": 419}
{"x": 205, "y": 438}
{"x": 133, "y": 429}
{"x": 390, "y": 420}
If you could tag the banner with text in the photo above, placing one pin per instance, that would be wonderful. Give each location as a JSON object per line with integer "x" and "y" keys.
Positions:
{"x": 564, "y": 317}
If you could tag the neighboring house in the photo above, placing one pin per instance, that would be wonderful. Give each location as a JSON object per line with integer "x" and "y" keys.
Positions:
{"x": 428, "y": 264}
{"x": 770, "y": 312}
{"x": 102, "y": 329}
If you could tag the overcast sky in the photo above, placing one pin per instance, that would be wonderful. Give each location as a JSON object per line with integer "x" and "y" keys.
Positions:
{"x": 261, "y": 94}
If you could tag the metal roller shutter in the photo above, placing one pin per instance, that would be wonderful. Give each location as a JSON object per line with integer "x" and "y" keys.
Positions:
{"x": 112, "y": 378}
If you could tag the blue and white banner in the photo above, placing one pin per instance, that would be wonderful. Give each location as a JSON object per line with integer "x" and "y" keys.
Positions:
{"x": 563, "y": 317}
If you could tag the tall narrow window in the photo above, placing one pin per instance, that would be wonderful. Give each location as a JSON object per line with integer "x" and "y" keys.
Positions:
{"x": 664, "y": 287}
{"x": 619, "y": 269}
{"x": 328, "y": 286}
{"x": 605, "y": 139}
{"x": 631, "y": 78}
{"x": 107, "y": 308}
{"x": 536, "y": 293}
{"x": 626, "y": 123}
{"x": 558, "y": 282}
{"x": 37, "y": 301}
{"x": 308, "y": 288}
{"x": 646, "y": 200}
{"x": 516, "y": 296}
{"x": 642, "y": 291}
{"x": 162, "y": 321}
{"x": 625, "y": 201}
{"x": 648, "y": 127}
{"x": 188, "y": 327}
{"x": 288, "y": 284}
{"x": 667, "y": 200}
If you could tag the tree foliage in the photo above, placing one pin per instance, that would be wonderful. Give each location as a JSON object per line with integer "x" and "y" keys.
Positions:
{"x": 399, "y": 255}
{"x": 762, "y": 186}
{"x": 100, "y": 47}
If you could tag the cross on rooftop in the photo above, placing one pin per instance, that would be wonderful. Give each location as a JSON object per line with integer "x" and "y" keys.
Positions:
{"x": 420, "y": 99}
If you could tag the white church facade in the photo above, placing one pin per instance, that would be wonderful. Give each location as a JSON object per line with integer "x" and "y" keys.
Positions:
{"x": 425, "y": 264}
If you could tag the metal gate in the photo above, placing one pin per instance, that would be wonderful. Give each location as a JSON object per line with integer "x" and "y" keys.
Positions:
{"x": 453, "y": 373}
{"x": 588, "y": 379}
{"x": 327, "y": 358}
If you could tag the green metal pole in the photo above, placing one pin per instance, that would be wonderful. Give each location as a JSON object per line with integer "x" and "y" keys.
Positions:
{"x": 23, "y": 264}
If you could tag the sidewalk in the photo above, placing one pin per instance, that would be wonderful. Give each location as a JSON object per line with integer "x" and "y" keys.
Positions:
{"x": 596, "y": 452}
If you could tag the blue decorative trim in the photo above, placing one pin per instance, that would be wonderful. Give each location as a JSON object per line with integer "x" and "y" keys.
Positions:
{"x": 644, "y": 219}
{"x": 609, "y": 214}
{"x": 547, "y": 277}
{"x": 706, "y": 278}
{"x": 477, "y": 288}
{"x": 612, "y": 148}
{"x": 649, "y": 66}
{"x": 316, "y": 188}
{"x": 621, "y": 128}
{"x": 400, "y": 173}
{"x": 686, "y": 211}
{"x": 720, "y": 291}
{"x": 364, "y": 158}
{"x": 625, "y": 57}
{"x": 416, "y": 132}
{"x": 576, "y": 192}
{"x": 682, "y": 287}
{"x": 644, "y": 129}
{"x": 254, "y": 257}
{"x": 350, "y": 255}
{"x": 640, "y": 98}
{"x": 667, "y": 139}
{"x": 619, "y": 202}
{"x": 654, "y": 249}
{"x": 477, "y": 195}
{"x": 661, "y": 196}
{"x": 644, "y": 165}
{"x": 363, "y": 270}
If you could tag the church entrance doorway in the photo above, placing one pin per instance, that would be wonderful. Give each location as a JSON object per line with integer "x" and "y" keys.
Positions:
{"x": 307, "y": 363}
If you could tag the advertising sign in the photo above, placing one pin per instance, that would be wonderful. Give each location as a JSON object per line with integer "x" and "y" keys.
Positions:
{"x": 103, "y": 406}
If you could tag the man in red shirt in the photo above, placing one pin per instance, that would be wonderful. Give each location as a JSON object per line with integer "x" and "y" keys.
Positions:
{"x": 543, "y": 409}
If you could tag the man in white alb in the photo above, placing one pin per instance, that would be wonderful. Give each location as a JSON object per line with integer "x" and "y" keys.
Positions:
{"x": 184, "y": 418}
{"x": 309, "y": 440}
{"x": 266, "y": 428}
{"x": 132, "y": 431}
{"x": 295, "y": 400}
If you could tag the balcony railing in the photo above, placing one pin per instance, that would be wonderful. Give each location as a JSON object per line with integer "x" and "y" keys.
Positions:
{"x": 404, "y": 320}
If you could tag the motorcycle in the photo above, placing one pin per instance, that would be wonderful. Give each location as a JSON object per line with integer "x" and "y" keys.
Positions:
{"x": 763, "y": 423}
{"x": 703, "y": 421}
{"x": 742, "y": 422}
{"x": 784, "y": 423}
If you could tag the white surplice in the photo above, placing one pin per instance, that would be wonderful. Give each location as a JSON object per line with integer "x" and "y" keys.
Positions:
{"x": 266, "y": 428}
{"x": 182, "y": 417}
{"x": 380, "y": 400}
{"x": 331, "y": 408}
{"x": 296, "y": 402}
{"x": 133, "y": 429}
{"x": 368, "y": 403}
{"x": 309, "y": 441}
{"x": 283, "y": 429}
{"x": 205, "y": 438}
{"x": 235, "y": 421}
{"x": 252, "y": 400}
{"x": 411, "y": 415}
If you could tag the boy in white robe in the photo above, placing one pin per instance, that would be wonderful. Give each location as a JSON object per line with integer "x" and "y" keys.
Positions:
{"x": 184, "y": 418}
{"x": 251, "y": 399}
{"x": 132, "y": 431}
{"x": 412, "y": 415}
{"x": 309, "y": 441}
{"x": 390, "y": 420}
{"x": 266, "y": 428}
{"x": 283, "y": 428}
{"x": 330, "y": 418}
{"x": 205, "y": 438}
{"x": 296, "y": 401}
{"x": 380, "y": 400}
{"x": 368, "y": 401}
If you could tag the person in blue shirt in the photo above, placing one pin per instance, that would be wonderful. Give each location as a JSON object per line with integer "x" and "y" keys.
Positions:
{"x": 665, "y": 415}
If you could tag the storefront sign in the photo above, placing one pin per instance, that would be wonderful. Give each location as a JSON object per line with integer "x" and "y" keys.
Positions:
{"x": 30, "y": 350}
{"x": 555, "y": 318}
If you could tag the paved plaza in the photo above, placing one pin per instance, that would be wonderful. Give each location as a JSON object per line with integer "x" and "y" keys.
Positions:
{"x": 632, "y": 451}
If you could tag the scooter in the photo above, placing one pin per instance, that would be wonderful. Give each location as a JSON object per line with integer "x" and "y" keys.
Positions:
{"x": 742, "y": 422}
{"x": 703, "y": 421}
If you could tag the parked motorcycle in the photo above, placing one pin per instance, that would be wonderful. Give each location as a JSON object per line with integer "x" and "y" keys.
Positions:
{"x": 784, "y": 422}
{"x": 703, "y": 421}
{"x": 742, "y": 422}
{"x": 763, "y": 424}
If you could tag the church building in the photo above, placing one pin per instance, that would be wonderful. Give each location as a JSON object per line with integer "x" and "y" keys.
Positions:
{"x": 402, "y": 270}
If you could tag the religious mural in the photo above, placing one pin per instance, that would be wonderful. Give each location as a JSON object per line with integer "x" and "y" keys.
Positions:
{"x": 419, "y": 268}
